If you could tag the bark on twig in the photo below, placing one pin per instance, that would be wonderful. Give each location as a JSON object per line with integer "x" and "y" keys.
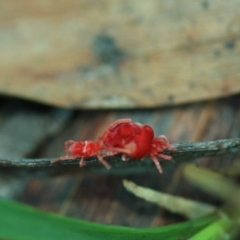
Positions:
{"x": 184, "y": 152}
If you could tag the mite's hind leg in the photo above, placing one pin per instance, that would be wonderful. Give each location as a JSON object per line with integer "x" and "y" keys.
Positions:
{"x": 103, "y": 161}
{"x": 116, "y": 150}
{"x": 82, "y": 162}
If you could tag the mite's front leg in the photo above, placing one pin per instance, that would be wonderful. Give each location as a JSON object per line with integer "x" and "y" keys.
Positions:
{"x": 67, "y": 152}
{"x": 103, "y": 161}
{"x": 165, "y": 141}
{"x": 67, "y": 145}
{"x": 162, "y": 138}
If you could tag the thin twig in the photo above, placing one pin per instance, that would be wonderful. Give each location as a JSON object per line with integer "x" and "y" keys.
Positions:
{"x": 183, "y": 152}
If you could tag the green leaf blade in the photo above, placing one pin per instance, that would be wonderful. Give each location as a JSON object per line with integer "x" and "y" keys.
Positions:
{"x": 21, "y": 222}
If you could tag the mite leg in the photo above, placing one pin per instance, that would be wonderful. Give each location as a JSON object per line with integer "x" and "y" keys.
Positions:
{"x": 118, "y": 150}
{"x": 82, "y": 162}
{"x": 125, "y": 153}
{"x": 67, "y": 145}
{"x": 67, "y": 153}
{"x": 113, "y": 125}
{"x": 157, "y": 163}
{"x": 166, "y": 157}
{"x": 125, "y": 157}
{"x": 104, "y": 162}
{"x": 163, "y": 139}
{"x": 62, "y": 158}
{"x": 111, "y": 153}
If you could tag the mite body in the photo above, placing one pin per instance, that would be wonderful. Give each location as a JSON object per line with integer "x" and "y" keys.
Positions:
{"x": 123, "y": 136}
{"x": 136, "y": 140}
{"x": 83, "y": 149}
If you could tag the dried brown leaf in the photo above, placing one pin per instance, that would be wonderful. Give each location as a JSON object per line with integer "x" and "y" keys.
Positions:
{"x": 63, "y": 55}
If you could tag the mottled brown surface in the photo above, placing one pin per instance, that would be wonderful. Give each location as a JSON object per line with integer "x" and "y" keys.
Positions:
{"x": 117, "y": 54}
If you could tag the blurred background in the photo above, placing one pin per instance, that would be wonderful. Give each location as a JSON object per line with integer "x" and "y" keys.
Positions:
{"x": 70, "y": 68}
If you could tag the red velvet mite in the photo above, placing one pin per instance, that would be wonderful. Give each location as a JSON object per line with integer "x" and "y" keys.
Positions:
{"x": 123, "y": 136}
